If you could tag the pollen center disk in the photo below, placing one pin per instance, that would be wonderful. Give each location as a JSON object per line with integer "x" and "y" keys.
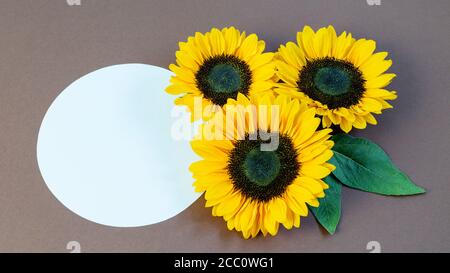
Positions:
{"x": 335, "y": 83}
{"x": 261, "y": 167}
{"x": 262, "y": 175}
{"x": 224, "y": 78}
{"x": 332, "y": 81}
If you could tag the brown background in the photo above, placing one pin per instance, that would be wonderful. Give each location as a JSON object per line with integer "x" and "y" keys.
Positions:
{"x": 46, "y": 44}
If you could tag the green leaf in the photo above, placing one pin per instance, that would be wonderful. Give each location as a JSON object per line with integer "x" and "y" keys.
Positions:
{"x": 363, "y": 165}
{"x": 329, "y": 211}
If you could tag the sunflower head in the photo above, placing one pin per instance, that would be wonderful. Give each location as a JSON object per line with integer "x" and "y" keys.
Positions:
{"x": 263, "y": 160}
{"x": 214, "y": 67}
{"x": 342, "y": 78}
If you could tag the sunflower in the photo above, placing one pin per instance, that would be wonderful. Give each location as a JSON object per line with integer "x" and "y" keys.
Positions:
{"x": 216, "y": 66}
{"x": 256, "y": 187}
{"x": 339, "y": 76}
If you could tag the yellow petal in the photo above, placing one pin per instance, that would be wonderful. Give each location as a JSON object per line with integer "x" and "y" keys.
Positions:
{"x": 206, "y": 167}
{"x": 314, "y": 171}
{"x": 203, "y": 44}
{"x": 380, "y": 93}
{"x": 206, "y": 150}
{"x": 308, "y": 153}
{"x": 329, "y": 166}
{"x": 264, "y": 72}
{"x": 306, "y": 130}
{"x": 318, "y": 136}
{"x": 289, "y": 222}
{"x": 344, "y": 113}
{"x": 343, "y": 44}
{"x": 176, "y": 89}
{"x": 296, "y": 203}
{"x": 249, "y": 47}
{"x": 229, "y": 205}
{"x": 345, "y": 125}
{"x": 287, "y": 73}
{"x": 306, "y": 40}
{"x": 379, "y": 82}
{"x": 371, "y": 105}
{"x": 300, "y": 193}
{"x": 192, "y": 50}
{"x": 237, "y": 217}
{"x": 359, "y": 123}
{"x": 231, "y": 36}
{"x": 370, "y": 119}
{"x": 313, "y": 203}
{"x": 336, "y": 119}
{"x": 256, "y": 227}
{"x": 277, "y": 208}
{"x": 219, "y": 190}
{"x": 310, "y": 184}
{"x": 296, "y": 55}
{"x": 183, "y": 73}
{"x": 261, "y": 86}
{"x": 296, "y": 221}
{"x": 326, "y": 122}
{"x": 183, "y": 59}
{"x": 321, "y": 43}
{"x": 248, "y": 216}
{"x": 322, "y": 158}
{"x": 260, "y": 60}
{"x": 361, "y": 51}
{"x": 332, "y": 37}
{"x": 269, "y": 223}
{"x": 230, "y": 225}
{"x": 375, "y": 65}
{"x": 384, "y": 104}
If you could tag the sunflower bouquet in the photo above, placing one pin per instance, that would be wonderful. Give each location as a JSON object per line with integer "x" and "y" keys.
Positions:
{"x": 274, "y": 136}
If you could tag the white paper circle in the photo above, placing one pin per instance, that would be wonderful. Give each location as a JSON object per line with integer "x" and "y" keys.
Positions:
{"x": 105, "y": 148}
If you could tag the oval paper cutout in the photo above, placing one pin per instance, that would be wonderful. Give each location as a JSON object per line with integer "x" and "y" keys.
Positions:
{"x": 106, "y": 151}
